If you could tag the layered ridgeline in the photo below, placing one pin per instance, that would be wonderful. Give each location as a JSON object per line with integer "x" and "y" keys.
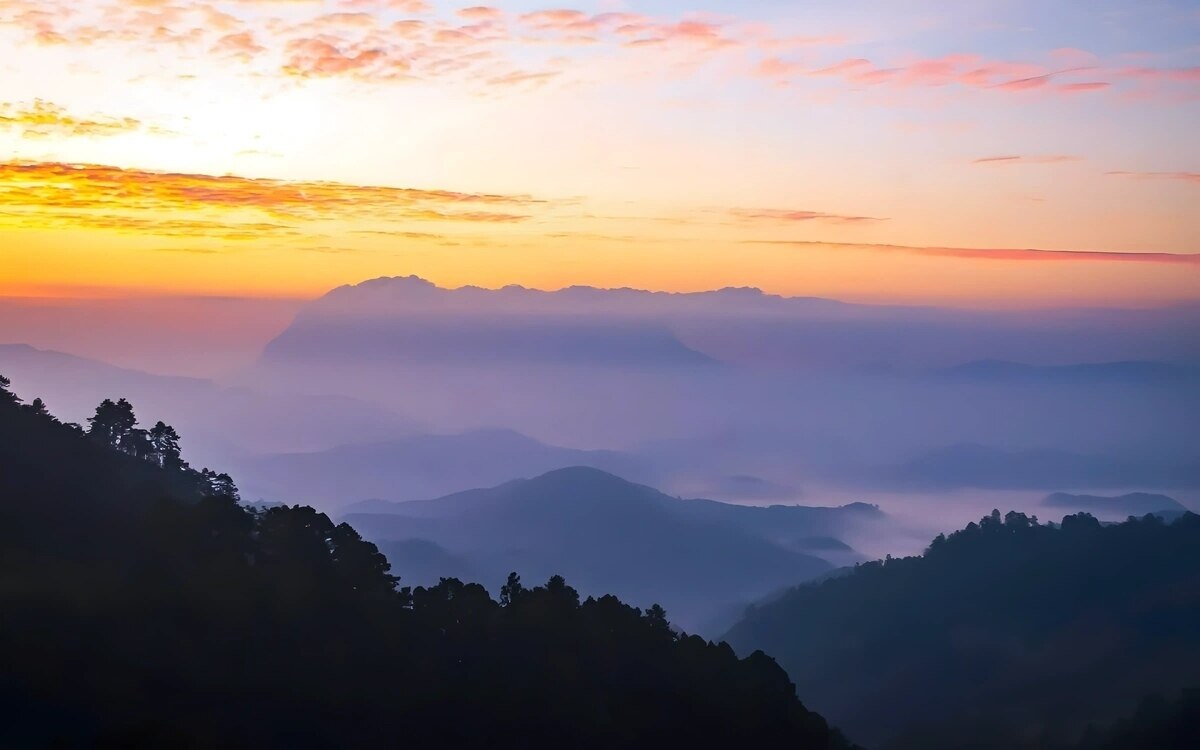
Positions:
{"x": 418, "y": 467}
{"x": 698, "y": 558}
{"x": 220, "y": 421}
{"x": 1135, "y": 504}
{"x": 142, "y": 606}
{"x": 1007, "y": 634}
{"x": 700, "y": 387}
{"x": 409, "y": 319}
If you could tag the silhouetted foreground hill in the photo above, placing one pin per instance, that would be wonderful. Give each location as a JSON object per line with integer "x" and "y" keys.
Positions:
{"x": 141, "y": 606}
{"x": 1158, "y": 724}
{"x": 1007, "y": 634}
{"x": 609, "y": 535}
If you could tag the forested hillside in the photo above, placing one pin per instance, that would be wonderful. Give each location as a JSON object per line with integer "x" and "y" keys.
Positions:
{"x": 142, "y": 606}
{"x": 1007, "y": 634}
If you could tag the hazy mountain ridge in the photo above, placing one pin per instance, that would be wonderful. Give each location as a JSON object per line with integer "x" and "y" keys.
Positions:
{"x": 841, "y": 389}
{"x": 1006, "y": 634}
{"x": 418, "y": 467}
{"x": 221, "y": 421}
{"x": 424, "y": 339}
{"x": 413, "y": 293}
{"x": 144, "y": 607}
{"x": 1132, "y": 504}
{"x": 982, "y": 466}
{"x": 614, "y": 535}
{"x": 1131, "y": 371}
{"x": 734, "y": 325}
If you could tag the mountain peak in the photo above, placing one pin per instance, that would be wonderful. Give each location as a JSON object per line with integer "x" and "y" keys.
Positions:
{"x": 416, "y": 284}
{"x": 586, "y": 484}
{"x": 580, "y": 473}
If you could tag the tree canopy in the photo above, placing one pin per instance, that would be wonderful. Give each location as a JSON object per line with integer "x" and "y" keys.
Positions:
{"x": 1009, "y": 633}
{"x": 142, "y": 606}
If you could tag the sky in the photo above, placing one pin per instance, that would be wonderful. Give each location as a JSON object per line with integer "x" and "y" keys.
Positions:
{"x": 990, "y": 153}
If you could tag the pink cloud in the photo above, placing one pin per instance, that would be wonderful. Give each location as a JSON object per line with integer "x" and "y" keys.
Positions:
{"x": 352, "y": 37}
{"x": 346, "y": 20}
{"x": 774, "y": 67}
{"x": 1072, "y": 88}
{"x": 557, "y": 19}
{"x": 240, "y": 45}
{"x": 845, "y": 67}
{"x": 1046, "y": 159}
{"x": 480, "y": 13}
{"x": 1192, "y": 177}
{"x": 518, "y": 77}
{"x": 779, "y": 215}
{"x": 404, "y": 6}
{"x": 1001, "y": 254}
{"x": 409, "y": 27}
{"x": 967, "y": 70}
{"x": 1025, "y": 84}
{"x": 319, "y": 57}
{"x": 1181, "y": 75}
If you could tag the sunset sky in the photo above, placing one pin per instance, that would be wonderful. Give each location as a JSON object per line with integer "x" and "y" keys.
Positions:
{"x": 982, "y": 153}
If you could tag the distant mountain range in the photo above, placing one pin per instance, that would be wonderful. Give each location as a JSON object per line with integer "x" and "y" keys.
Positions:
{"x": 418, "y": 467}
{"x": 217, "y": 422}
{"x": 1136, "y": 504}
{"x": 1129, "y": 372}
{"x": 468, "y": 340}
{"x": 692, "y": 556}
{"x": 838, "y": 387}
{"x": 410, "y": 320}
{"x": 988, "y": 467}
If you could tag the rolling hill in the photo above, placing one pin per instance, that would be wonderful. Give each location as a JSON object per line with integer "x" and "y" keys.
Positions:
{"x": 415, "y": 467}
{"x": 1007, "y": 634}
{"x": 608, "y": 534}
{"x": 144, "y": 607}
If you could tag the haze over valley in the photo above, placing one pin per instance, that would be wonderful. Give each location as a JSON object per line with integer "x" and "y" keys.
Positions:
{"x": 672, "y": 373}
{"x": 394, "y": 391}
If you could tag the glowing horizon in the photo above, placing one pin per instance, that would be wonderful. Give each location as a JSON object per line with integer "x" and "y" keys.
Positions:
{"x": 1012, "y": 156}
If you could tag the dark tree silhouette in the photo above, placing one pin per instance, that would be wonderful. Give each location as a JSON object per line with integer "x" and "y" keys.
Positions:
{"x": 113, "y": 424}
{"x": 6, "y": 394}
{"x": 512, "y": 589}
{"x": 219, "y": 485}
{"x": 1007, "y": 634}
{"x": 37, "y": 406}
{"x": 141, "y": 606}
{"x": 1158, "y": 723}
{"x": 164, "y": 444}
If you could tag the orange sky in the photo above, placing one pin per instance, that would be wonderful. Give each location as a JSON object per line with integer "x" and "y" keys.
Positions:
{"x": 281, "y": 149}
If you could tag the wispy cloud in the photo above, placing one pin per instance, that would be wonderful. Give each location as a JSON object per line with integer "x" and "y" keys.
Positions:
{"x": 787, "y": 216}
{"x": 1014, "y": 159}
{"x": 1000, "y": 254}
{"x": 1178, "y": 75}
{"x": 963, "y": 70}
{"x": 42, "y": 119}
{"x": 384, "y": 41}
{"x": 1192, "y": 177}
{"x": 1082, "y": 87}
{"x": 228, "y": 207}
{"x": 1065, "y": 72}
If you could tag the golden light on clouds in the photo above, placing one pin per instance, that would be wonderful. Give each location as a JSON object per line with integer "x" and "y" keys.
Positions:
{"x": 282, "y": 147}
{"x": 40, "y": 119}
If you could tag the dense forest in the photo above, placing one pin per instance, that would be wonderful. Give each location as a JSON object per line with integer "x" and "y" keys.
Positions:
{"x": 141, "y": 605}
{"x": 1007, "y": 634}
